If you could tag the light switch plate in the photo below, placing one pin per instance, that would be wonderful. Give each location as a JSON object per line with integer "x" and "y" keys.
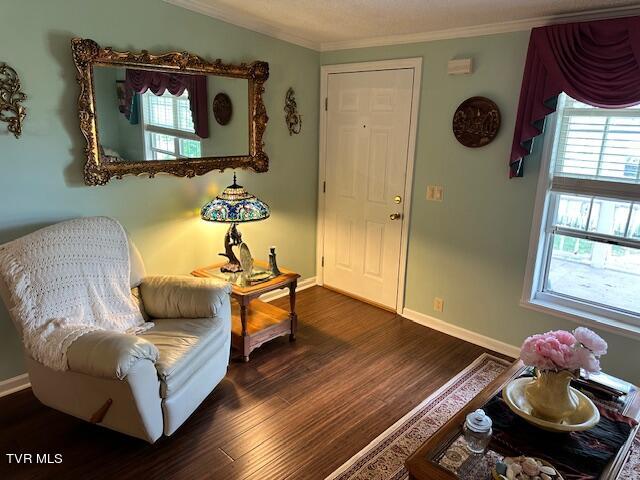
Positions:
{"x": 430, "y": 192}
{"x": 435, "y": 193}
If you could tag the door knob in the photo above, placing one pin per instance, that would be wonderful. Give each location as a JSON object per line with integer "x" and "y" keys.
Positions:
{"x": 397, "y": 199}
{"x": 395, "y": 216}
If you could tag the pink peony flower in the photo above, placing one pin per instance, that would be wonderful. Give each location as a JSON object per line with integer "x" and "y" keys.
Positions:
{"x": 561, "y": 350}
{"x": 549, "y": 351}
{"x": 584, "y": 358}
{"x": 591, "y": 340}
{"x": 564, "y": 337}
{"x": 531, "y": 355}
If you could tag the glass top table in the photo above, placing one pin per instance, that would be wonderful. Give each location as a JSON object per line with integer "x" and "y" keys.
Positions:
{"x": 240, "y": 279}
{"x": 444, "y": 456}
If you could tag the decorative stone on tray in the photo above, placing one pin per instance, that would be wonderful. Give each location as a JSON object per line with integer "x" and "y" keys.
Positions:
{"x": 525, "y": 468}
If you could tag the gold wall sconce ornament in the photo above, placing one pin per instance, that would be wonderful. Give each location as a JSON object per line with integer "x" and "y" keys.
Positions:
{"x": 10, "y": 98}
{"x": 292, "y": 117}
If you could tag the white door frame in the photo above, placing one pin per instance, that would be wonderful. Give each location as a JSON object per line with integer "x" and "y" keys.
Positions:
{"x": 325, "y": 70}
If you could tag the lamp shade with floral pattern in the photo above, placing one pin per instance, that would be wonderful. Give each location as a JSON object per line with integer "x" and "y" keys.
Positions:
{"x": 235, "y": 205}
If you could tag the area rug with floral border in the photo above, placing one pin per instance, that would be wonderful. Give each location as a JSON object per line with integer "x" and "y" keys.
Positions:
{"x": 384, "y": 457}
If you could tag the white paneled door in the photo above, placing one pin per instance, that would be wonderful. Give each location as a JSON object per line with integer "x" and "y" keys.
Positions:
{"x": 368, "y": 124}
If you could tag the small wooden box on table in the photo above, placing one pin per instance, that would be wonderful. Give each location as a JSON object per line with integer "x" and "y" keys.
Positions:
{"x": 255, "y": 322}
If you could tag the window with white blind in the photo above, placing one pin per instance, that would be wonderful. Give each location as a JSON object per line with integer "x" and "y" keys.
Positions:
{"x": 584, "y": 261}
{"x": 168, "y": 127}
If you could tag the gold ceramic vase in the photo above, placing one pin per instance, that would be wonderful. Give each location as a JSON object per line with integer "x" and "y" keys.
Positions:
{"x": 550, "y": 395}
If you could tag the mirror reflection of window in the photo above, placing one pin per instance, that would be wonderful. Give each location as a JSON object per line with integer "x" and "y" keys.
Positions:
{"x": 134, "y": 124}
{"x": 168, "y": 127}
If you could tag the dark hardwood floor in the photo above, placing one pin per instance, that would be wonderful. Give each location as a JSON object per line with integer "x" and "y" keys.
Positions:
{"x": 295, "y": 411}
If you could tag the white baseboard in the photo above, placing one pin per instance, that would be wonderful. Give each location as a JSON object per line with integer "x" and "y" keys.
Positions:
{"x": 302, "y": 285}
{"x": 15, "y": 384}
{"x": 462, "y": 333}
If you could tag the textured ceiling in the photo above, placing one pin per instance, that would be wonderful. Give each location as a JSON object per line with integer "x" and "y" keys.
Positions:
{"x": 323, "y": 21}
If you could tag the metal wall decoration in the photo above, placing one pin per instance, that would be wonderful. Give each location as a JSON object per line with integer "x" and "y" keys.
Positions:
{"x": 292, "y": 117}
{"x": 97, "y": 171}
{"x": 10, "y": 98}
{"x": 476, "y": 122}
{"x": 222, "y": 108}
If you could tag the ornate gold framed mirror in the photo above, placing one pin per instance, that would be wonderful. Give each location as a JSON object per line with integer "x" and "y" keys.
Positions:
{"x": 144, "y": 114}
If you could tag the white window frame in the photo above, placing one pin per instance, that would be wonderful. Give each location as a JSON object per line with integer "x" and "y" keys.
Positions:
{"x": 176, "y": 133}
{"x": 533, "y": 296}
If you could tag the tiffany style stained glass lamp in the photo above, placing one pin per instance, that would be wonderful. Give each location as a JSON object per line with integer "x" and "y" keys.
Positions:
{"x": 234, "y": 205}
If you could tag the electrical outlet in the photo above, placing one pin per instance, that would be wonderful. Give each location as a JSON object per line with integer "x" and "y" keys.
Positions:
{"x": 438, "y": 304}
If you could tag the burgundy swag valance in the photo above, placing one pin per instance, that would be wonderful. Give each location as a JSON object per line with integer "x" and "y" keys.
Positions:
{"x": 139, "y": 81}
{"x": 597, "y": 63}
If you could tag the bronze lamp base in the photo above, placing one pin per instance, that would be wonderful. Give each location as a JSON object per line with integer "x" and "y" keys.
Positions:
{"x": 232, "y": 238}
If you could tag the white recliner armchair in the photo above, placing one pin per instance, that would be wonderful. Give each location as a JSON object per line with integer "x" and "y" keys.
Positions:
{"x": 143, "y": 385}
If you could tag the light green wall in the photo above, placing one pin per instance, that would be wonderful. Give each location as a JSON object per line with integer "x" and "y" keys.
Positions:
{"x": 41, "y": 180}
{"x": 104, "y": 87}
{"x": 232, "y": 138}
{"x": 471, "y": 249}
{"x": 114, "y": 130}
{"x": 130, "y": 136}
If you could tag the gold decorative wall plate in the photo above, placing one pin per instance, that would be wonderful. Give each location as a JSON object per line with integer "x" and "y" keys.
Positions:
{"x": 476, "y": 122}
{"x": 101, "y": 164}
{"x": 222, "y": 108}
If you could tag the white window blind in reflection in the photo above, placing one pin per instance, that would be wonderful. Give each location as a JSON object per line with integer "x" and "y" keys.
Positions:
{"x": 169, "y": 130}
{"x": 169, "y": 111}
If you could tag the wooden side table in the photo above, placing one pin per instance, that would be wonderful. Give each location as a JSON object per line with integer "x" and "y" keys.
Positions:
{"x": 255, "y": 322}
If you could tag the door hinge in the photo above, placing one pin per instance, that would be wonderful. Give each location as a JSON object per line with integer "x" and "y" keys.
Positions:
{"x": 322, "y": 262}
{"x": 326, "y": 103}
{"x": 324, "y": 187}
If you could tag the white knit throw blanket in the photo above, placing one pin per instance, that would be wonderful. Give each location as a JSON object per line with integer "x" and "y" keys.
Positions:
{"x": 67, "y": 280}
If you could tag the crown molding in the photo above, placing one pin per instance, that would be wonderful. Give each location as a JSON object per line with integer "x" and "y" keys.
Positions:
{"x": 245, "y": 21}
{"x": 251, "y": 23}
{"x": 480, "y": 30}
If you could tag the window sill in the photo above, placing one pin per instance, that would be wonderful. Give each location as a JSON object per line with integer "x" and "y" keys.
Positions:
{"x": 583, "y": 318}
